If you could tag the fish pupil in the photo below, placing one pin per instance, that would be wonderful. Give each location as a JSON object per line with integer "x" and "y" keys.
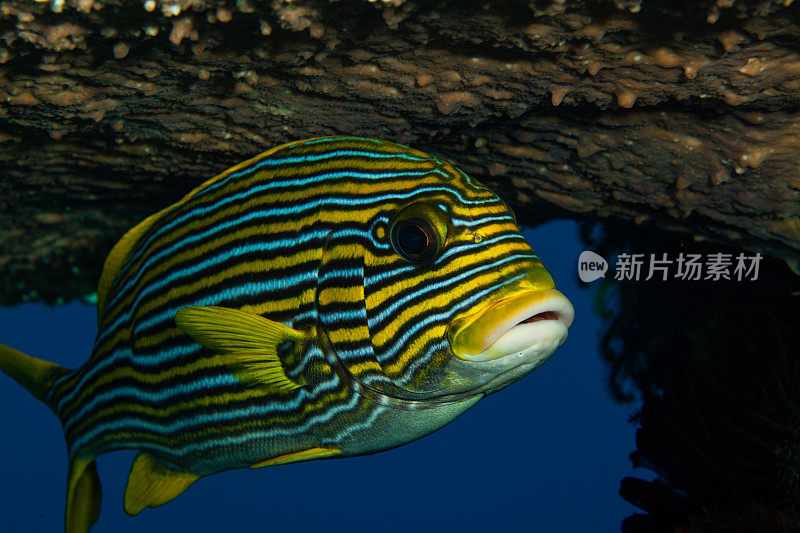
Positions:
{"x": 415, "y": 240}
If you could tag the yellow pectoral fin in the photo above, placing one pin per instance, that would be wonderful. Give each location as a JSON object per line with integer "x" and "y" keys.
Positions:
{"x": 83, "y": 496}
{"x": 251, "y": 341}
{"x": 152, "y": 483}
{"x": 304, "y": 455}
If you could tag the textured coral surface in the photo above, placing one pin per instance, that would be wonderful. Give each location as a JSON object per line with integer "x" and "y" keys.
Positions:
{"x": 679, "y": 114}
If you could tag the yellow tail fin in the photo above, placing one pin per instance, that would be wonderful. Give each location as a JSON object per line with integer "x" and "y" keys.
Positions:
{"x": 36, "y": 375}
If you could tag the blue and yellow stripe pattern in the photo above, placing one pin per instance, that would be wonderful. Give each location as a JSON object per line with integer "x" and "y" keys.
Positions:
{"x": 299, "y": 305}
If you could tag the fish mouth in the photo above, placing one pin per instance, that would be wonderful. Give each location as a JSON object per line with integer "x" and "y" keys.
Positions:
{"x": 526, "y": 326}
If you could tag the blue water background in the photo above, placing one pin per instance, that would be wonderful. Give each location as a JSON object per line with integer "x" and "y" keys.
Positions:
{"x": 545, "y": 454}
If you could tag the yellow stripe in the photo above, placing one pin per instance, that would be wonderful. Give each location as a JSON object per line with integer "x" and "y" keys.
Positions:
{"x": 263, "y": 231}
{"x": 393, "y": 328}
{"x": 116, "y": 373}
{"x": 250, "y": 267}
{"x": 365, "y": 188}
{"x": 164, "y": 411}
{"x": 195, "y": 401}
{"x": 266, "y": 308}
{"x": 479, "y": 257}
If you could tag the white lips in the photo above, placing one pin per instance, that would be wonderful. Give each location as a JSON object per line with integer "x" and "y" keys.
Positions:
{"x": 534, "y": 341}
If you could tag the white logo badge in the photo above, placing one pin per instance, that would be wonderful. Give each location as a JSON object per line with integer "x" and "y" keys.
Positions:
{"x": 591, "y": 266}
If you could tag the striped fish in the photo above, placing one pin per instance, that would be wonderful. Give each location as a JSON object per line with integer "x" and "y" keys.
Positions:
{"x": 331, "y": 297}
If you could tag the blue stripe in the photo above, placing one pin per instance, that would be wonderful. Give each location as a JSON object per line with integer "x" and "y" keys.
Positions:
{"x": 173, "y": 278}
{"x": 455, "y": 249}
{"x": 225, "y": 414}
{"x": 271, "y": 161}
{"x": 484, "y": 220}
{"x": 176, "y": 352}
{"x": 212, "y": 299}
{"x": 356, "y": 353}
{"x": 170, "y": 394}
{"x": 352, "y": 428}
{"x": 252, "y": 289}
{"x": 338, "y": 316}
{"x": 441, "y": 346}
{"x": 261, "y": 216}
{"x": 342, "y": 273}
{"x": 276, "y": 185}
{"x": 315, "y": 158}
{"x": 125, "y": 354}
{"x": 233, "y": 293}
{"x": 399, "y": 342}
{"x": 444, "y": 344}
{"x": 250, "y": 436}
{"x": 329, "y": 140}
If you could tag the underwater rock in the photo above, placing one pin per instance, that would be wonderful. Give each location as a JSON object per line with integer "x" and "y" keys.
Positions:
{"x": 680, "y": 115}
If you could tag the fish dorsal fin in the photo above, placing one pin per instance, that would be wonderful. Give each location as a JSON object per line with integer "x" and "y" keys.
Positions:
{"x": 152, "y": 483}
{"x": 117, "y": 257}
{"x": 83, "y": 496}
{"x": 251, "y": 341}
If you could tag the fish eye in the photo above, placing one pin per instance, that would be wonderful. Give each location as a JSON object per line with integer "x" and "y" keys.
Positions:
{"x": 415, "y": 240}
{"x": 418, "y": 232}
